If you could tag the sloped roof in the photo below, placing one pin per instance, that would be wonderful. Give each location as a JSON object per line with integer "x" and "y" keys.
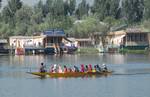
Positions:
{"x": 25, "y": 37}
{"x": 83, "y": 39}
{"x": 122, "y": 32}
{"x": 136, "y": 30}
{"x": 54, "y": 32}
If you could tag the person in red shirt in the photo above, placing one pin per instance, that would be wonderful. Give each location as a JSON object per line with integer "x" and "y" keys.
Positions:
{"x": 90, "y": 68}
{"x": 65, "y": 69}
{"x": 82, "y": 68}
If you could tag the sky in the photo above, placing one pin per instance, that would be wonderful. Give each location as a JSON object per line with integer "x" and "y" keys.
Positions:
{"x": 33, "y": 2}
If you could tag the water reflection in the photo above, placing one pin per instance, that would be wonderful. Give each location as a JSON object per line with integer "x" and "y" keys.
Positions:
{"x": 133, "y": 70}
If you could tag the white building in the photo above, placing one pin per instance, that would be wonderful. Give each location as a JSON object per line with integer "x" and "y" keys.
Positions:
{"x": 26, "y": 41}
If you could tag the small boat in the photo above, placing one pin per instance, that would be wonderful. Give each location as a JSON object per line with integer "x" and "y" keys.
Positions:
{"x": 71, "y": 74}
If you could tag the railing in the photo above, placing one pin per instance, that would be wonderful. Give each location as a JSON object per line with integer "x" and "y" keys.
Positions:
{"x": 136, "y": 43}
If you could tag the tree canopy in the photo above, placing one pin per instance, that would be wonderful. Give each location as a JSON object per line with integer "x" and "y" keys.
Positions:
{"x": 80, "y": 20}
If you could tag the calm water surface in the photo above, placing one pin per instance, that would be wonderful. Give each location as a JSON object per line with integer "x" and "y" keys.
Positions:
{"x": 130, "y": 79}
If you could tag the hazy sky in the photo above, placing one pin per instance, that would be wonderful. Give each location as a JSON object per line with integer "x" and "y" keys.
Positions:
{"x": 32, "y": 2}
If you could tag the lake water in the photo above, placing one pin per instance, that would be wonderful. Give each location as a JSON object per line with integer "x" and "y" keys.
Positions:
{"x": 131, "y": 77}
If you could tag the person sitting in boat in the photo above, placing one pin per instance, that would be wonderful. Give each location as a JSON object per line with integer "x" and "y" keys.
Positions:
{"x": 86, "y": 68}
{"x": 60, "y": 69}
{"x": 98, "y": 68}
{"x": 75, "y": 69}
{"x": 42, "y": 68}
{"x": 89, "y": 68}
{"x": 70, "y": 70}
{"x": 51, "y": 69}
{"x": 65, "y": 69}
{"x": 94, "y": 69}
{"x": 104, "y": 67}
{"x": 55, "y": 68}
{"x": 82, "y": 68}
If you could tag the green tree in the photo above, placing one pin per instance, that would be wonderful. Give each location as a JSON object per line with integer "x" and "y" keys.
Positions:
{"x": 134, "y": 10}
{"x": 23, "y": 20}
{"x": 72, "y": 6}
{"x": 66, "y": 8}
{"x": 147, "y": 9}
{"x": 0, "y": 3}
{"x": 38, "y": 13}
{"x": 9, "y": 11}
{"x": 105, "y": 8}
{"x": 84, "y": 28}
{"x": 82, "y": 10}
{"x": 48, "y": 7}
{"x": 58, "y": 8}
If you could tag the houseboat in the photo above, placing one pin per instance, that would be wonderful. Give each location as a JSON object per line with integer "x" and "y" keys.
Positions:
{"x": 130, "y": 38}
{"x": 53, "y": 41}
{"x": 49, "y": 42}
{"x": 136, "y": 39}
{"x": 21, "y": 45}
{"x": 3, "y": 46}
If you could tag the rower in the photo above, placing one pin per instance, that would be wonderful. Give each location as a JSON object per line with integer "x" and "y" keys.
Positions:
{"x": 42, "y": 68}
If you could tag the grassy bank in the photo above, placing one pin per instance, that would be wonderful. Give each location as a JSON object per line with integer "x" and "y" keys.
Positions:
{"x": 87, "y": 50}
{"x": 134, "y": 51}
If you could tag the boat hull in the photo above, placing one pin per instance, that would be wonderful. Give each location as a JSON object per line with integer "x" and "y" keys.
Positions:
{"x": 72, "y": 74}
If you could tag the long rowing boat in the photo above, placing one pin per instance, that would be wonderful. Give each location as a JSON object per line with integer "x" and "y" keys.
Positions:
{"x": 72, "y": 74}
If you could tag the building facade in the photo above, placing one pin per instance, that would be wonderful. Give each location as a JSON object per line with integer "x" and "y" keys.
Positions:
{"x": 131, "y": 38}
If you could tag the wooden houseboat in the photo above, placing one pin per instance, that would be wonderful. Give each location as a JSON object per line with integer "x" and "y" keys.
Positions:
{"x": 53, "y": 41}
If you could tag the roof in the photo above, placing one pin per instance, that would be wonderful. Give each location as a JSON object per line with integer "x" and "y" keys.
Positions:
{"x": 25, "y": 37}
{"x": 83, "y": 39}
{"x": 71, "y": 39}
{"x": 135, "y": 30}
{"x": 98, "y": 33}
{"x": 54, "y": 32}
{"x": 117, "y": 33}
